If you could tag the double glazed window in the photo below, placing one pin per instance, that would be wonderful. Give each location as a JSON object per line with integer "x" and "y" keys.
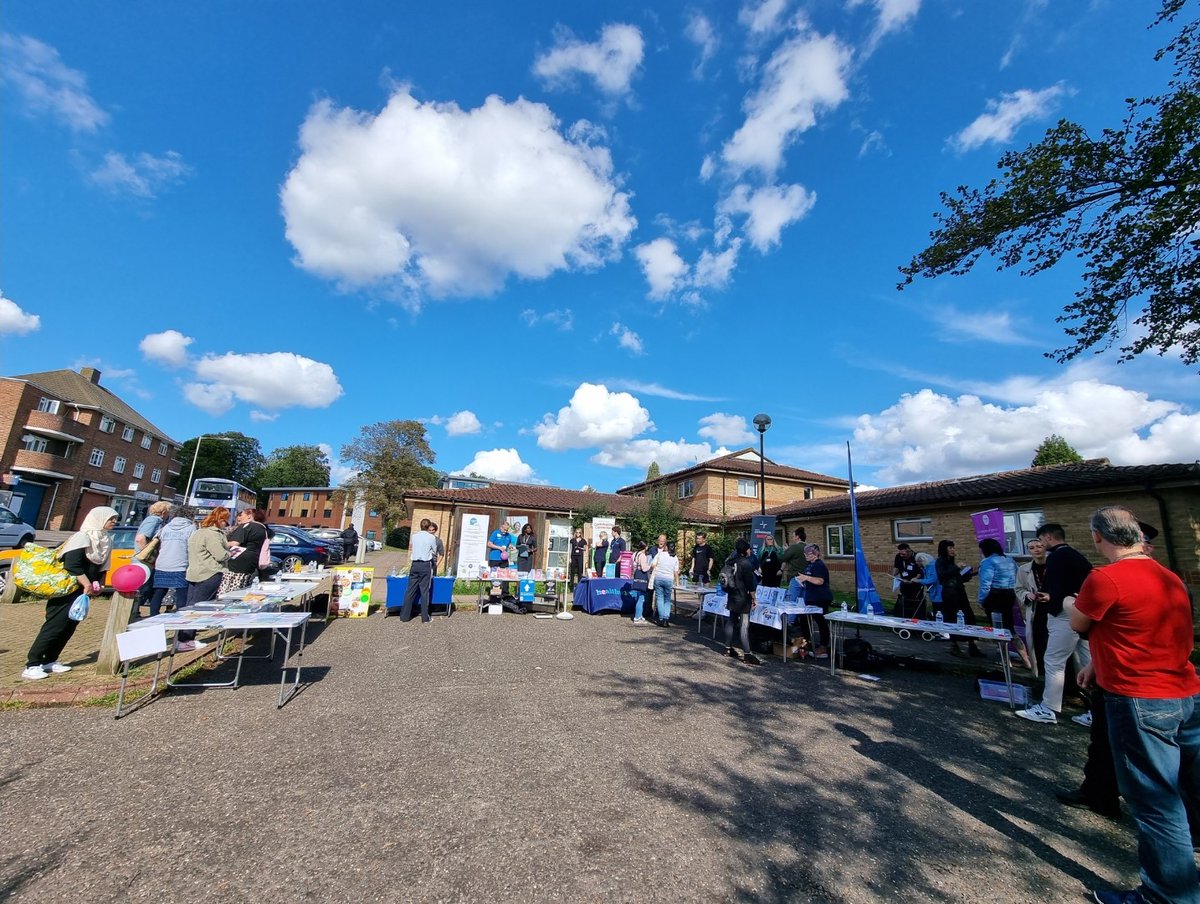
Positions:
{"x": 839, "y": 539}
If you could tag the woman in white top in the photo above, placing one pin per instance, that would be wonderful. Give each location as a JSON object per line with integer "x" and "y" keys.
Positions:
{"x": 663, "y": 575}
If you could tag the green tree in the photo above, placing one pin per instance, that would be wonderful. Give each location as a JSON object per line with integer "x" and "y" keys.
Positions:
{"x": 1125, "y": 203}
{"x": 231, "y": 455}
{"x": 587, "y": 512}
{"x": 657, "y": 515}
{"x": 295, "y": 466}
{"x": 653, "y": 472}
{"x": 1054, "y": 450}
{"x": 392, "y": 457}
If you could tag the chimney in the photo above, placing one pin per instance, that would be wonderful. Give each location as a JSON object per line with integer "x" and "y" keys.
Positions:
{"x": 91, "y": 374}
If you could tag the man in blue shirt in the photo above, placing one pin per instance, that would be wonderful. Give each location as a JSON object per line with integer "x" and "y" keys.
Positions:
{"x": 500, "y": 552}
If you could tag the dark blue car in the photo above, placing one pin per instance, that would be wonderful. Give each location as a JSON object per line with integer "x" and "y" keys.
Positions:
{"x": 292, "y": 546}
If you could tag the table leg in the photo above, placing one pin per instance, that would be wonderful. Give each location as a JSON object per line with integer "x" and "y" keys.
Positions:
{"x": 284, "y": 694}
{"x": 835, "y": 644}
{"x": 785, "y": 643}
{"x": 1007, "y": 665}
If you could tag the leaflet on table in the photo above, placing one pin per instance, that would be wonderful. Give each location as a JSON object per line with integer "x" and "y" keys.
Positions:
{"x": 488, "y": 573}
{"x": 768, "y": 616}
{"x": 715, "y": 603}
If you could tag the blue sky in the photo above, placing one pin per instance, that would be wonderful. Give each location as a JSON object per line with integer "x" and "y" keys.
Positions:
{"x": 572, "y": 241}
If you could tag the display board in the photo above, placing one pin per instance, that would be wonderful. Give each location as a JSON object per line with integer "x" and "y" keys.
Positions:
{"x": 351, "y": 593}
{"x": 472, "y": 546}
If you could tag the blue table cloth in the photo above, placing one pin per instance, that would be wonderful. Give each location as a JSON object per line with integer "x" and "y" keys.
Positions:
{"x": 594, "y": 595}
{"x": 443, "y": 594}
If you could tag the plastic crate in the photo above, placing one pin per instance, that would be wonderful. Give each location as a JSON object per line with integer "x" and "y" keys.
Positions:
{"x": 998, "y": 691}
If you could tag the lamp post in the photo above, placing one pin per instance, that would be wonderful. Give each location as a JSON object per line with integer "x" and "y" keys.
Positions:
{"x": 762, "y": 422}
{"x": 187, "y": 488}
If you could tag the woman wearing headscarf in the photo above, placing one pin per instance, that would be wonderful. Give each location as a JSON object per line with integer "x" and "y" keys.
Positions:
{"x": 85, "y": 555}
{"x": 245, "y": 543}
{"x": 170, "y": 570}
{"x": 954, "y": 594}
{"x": 208, "y": 551}
{"x": 740, "y": 601}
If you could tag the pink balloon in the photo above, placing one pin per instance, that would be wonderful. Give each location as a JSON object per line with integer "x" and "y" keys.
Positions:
{"x": 129, "y": 578}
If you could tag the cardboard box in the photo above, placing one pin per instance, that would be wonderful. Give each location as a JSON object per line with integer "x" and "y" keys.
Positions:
{"x": 494, "y": 609}
{"x": 795, "y": 650}
{"x": 997, "y": 691}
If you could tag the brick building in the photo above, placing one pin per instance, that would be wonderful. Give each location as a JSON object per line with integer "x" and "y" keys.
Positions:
{"x": 728, "y": 486}
{"x": 68, "y": 444}
{"x": 1166, "y": 496}
{"x": 318, "y": 507}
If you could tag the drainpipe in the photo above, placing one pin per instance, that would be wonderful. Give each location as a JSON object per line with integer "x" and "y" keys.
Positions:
{"x": 1168, "y": 541}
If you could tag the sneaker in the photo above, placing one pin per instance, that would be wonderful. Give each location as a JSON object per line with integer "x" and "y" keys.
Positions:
{"x": 821, "y": 653}
{"x": 1085, "y": 720}
{"x": 640, "y": 621}
{"x": 751, "y": 659}
{"x": 199, "y": 645}
{"x": 56, "y": 667}
{"x": 1039, "y": 713}
{"x": 34, "y": 673}
{"x": 185, "y": 646}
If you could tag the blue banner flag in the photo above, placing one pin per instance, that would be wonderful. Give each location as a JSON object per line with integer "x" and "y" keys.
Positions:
{"x": 864, "y": 586}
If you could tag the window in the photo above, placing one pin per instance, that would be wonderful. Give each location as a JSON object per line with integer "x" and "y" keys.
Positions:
{"x": 119, "y": 465}
{"x": 839, "y": 539}
{"x": 686, "y": 488}
{"x": 162, "y": 448}
{"x": 912, "y": 529}
{"x": 283, "y": 497}
{"x": 1020, "y": 528}
{"x": 303, "y": 513}
{"x": 370, "y": 535}
{"x": 147, "y": 440}
{"x": 748, "y": 488}
{"x": 50, "y": 406}
{"x": 282, "y": 512}
{"x": 156, "y": 475}
{"x": 32, "y": 443}
{"x": 107, "y": 424}
{"x": 127, "y": 434}
{"x": 808, "y": 492}
{"x": 328, "y": 513}
{"x": 307, "y": 497}
{"x": 374, "y": 514}
{"x": 138, "y": 470}
{"x": 97, "y": 458}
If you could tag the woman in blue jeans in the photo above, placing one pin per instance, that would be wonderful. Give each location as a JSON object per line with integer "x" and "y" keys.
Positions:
{"x": 641, "y": 572}
{"x": 663, "y": 575}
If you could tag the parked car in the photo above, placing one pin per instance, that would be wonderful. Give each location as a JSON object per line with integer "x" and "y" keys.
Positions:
{"x": 14, "y": 533}
{"x": 122, "y": 550}
{"x": 293, "y": 546}
{"x": 374, "y": 545}
{"x": 333, "y": 536}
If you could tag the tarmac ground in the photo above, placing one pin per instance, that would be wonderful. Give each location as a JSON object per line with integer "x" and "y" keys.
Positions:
{"x": 508, "y": 758}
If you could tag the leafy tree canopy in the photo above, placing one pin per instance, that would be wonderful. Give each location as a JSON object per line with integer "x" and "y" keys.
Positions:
{"x": 392, "y": 457}
{"x": 653, "y": 471}
{"x": 1054, "y": 450}
{"x": 231, "y": 455}
{"x": 295, "y": 466}
{"x": 587, "y": 512}
{"x": 658, "y": 515}
{"x": 1125, "y": 203}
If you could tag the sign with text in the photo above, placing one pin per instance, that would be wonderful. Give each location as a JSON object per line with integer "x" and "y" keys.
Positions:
{"x": 472, "y": 546}
{"x": 761, "y": 527}
{"x": 989, "y": 523}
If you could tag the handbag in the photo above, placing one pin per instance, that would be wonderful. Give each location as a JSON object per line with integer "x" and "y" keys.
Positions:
{"x": 39, "y": 571}
{"x": 148, "y": 553}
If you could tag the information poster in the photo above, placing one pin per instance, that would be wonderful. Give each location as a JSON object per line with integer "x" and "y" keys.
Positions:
{"x": 351, "y": 593}
{"x": 989, "y": 524}
{"x": 472, "y": 546}
{"x": 599, "y": 526}
{"x": 761, "y": 527}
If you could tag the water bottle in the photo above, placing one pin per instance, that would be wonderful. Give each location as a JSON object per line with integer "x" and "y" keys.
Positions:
{"x": 254, "y": 585}
{"x": 845, "y": 608}
{"x": 997, "y": 621}
{"x": 939, "y": 618}
{"x": 962, "y": 619}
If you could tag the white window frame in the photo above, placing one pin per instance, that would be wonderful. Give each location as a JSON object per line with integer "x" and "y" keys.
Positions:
{"x": 686, "y": 489}
{"x": 119, "y": 465}
{"x": 139, "y": 470}
{"x": 48, "y": 405}
{"x": 96, "y": 458}
{"x": 31, "y": 443}
{"x": 107, "y": 424}
{"x": 128, "y": 433}
{"x": 845, "y": 538}
{"x": 920, "y": 535}
{"x": 743, "y": 483}
{"x": 1014, "y": 539}
{"x": 162, "y": 448}
{"x": 147, "y": 440}
{"x": 156, "y": 475}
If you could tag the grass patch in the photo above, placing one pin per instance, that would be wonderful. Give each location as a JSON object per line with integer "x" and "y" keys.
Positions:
{"x": 132, "y": 695}
{"x": 14, "y": 704}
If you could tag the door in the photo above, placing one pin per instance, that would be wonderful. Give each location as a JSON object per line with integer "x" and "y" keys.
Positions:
{"x": 558, "y": 538}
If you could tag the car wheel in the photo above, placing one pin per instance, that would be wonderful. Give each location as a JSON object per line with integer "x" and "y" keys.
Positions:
{"x": 289, "y": 563}
{"x": 25, "y": 541}
{"x": 3, "y": 582}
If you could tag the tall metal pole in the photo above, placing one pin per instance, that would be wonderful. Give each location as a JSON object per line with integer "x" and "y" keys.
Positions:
{"x": 762, "y": 422}
{"x": 187, "y": 490}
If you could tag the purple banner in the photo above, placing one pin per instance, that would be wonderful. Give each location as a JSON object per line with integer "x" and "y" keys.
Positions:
{"x": 990, "y": 524}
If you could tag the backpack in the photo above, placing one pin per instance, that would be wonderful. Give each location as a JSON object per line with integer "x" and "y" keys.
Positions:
{"x": 726, "y": 579}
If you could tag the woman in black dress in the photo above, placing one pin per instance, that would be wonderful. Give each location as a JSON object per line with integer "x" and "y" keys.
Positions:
{"x": 954, "y": 594}
{"x": 578, "y": 559}
{"x": 526, "y": 547}
{"x": 245, "y": 543}
{"x": 740, "y": 602}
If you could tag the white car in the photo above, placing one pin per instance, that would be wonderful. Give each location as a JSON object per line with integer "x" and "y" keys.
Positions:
{"x": 374, "y": 545}
{"x": 14, "y": 533}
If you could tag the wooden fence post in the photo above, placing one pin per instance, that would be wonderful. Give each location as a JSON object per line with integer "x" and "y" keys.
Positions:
{"x": 109, "y": 662}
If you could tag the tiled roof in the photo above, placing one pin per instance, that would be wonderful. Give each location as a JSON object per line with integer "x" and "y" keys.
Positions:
{"x": 1093, "y": 474}
{"x": 548, "y": 499}
{"x": 71, "y": 386}
{"x": 731, "y": 462}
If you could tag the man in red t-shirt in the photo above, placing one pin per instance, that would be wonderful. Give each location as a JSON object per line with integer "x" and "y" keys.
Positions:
{"x": 1139, "y": 621}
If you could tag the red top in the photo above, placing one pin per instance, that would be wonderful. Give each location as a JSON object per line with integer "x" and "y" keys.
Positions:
{"x": 1141, "y": 634}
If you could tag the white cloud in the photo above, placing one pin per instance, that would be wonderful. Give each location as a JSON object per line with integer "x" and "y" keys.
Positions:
{"x": 264, "y": 416}
{"x": 272, "y": 381}
{"x": 715, "y": 268}
{"x": 662, "y": 266}
{"x": 628, "y": 339}
{"x": 463, "y": 423}
{"x": 662, "y": 392}
{"x": 594, "y": 417}
{"x": 670, "y": 455}
{"x": 563, "y": 319}
{"x": 806, "y": 74}
{"x": 14, "y": 320}
{"x": 611, "y": 61}
{"x": 434, "y": 198}
{"x": 768, "y": 210}
{"x": 763, "y": 16}
{"x": 46, "y": 85}
{"x": 892, "y": 16}
{"x": 1006, "y": 115}
{"x": 982, "y": 326}
{"x": 726, "y": 429}
{"x": 143, "y": 176}
{"x": 169, "y": 347}
{"x": 930, "y": 436}
{"x": 699, "y": 31}
{"x": 499, "y": 464}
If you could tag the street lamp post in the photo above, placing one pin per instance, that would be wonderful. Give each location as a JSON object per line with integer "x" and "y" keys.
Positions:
{"x": 762, "y": 422}
{"x": 187, "y": 488}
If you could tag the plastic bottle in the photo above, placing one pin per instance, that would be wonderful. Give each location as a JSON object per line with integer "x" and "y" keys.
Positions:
{"x": 938, "y": 618}
{"x": 254, "y": 585}
{"x": 845, "y": 608}
{"x": 962, "y": 619}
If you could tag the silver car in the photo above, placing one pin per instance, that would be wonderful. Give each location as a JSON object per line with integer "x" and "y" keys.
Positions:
{"x": 14, "y": 533}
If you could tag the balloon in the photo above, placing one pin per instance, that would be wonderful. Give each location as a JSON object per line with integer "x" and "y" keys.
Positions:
{"x": 129, "y": 578}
